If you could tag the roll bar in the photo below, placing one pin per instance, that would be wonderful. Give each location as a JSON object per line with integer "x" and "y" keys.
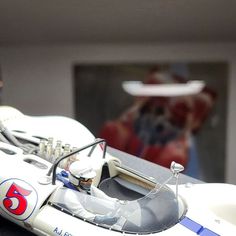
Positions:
{"x": 53, "y": 168}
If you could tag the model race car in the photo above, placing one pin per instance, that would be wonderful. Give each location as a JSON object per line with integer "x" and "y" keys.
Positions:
{"x": 35, "y": 150}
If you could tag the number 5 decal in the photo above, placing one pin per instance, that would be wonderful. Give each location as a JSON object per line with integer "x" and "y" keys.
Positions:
{"x": 18, "y": 198}
{"x": 19, "y": 193}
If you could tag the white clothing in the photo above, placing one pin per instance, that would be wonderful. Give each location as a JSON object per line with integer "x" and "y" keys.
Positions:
{"x": 77, "y": 202}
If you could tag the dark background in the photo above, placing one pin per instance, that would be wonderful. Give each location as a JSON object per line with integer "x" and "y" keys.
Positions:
{"x": 99, "y": 97}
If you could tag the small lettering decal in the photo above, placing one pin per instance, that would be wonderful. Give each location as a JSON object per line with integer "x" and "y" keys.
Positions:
{"x": 60, "y": 232}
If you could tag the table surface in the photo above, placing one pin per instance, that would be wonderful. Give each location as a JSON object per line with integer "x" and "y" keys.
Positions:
{"x": 160, "y": 173}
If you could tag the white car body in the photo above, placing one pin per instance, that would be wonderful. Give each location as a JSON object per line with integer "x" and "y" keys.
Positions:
{"x": 28, "y": 197}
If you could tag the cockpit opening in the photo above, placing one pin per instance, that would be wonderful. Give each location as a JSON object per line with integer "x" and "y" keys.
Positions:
{"x": 158, "y": 210}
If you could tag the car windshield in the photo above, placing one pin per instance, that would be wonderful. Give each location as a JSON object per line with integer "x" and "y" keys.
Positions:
{"x": 160, "y": 209}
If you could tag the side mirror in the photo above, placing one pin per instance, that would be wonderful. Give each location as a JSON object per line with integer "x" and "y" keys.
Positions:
{"x": 176, "y": 168}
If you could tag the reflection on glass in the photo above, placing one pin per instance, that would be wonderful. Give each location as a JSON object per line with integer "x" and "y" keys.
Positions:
{"x": 158, "y": 210}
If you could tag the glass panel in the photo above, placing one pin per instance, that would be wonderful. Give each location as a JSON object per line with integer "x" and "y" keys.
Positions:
{"x": 157, "y": 211}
